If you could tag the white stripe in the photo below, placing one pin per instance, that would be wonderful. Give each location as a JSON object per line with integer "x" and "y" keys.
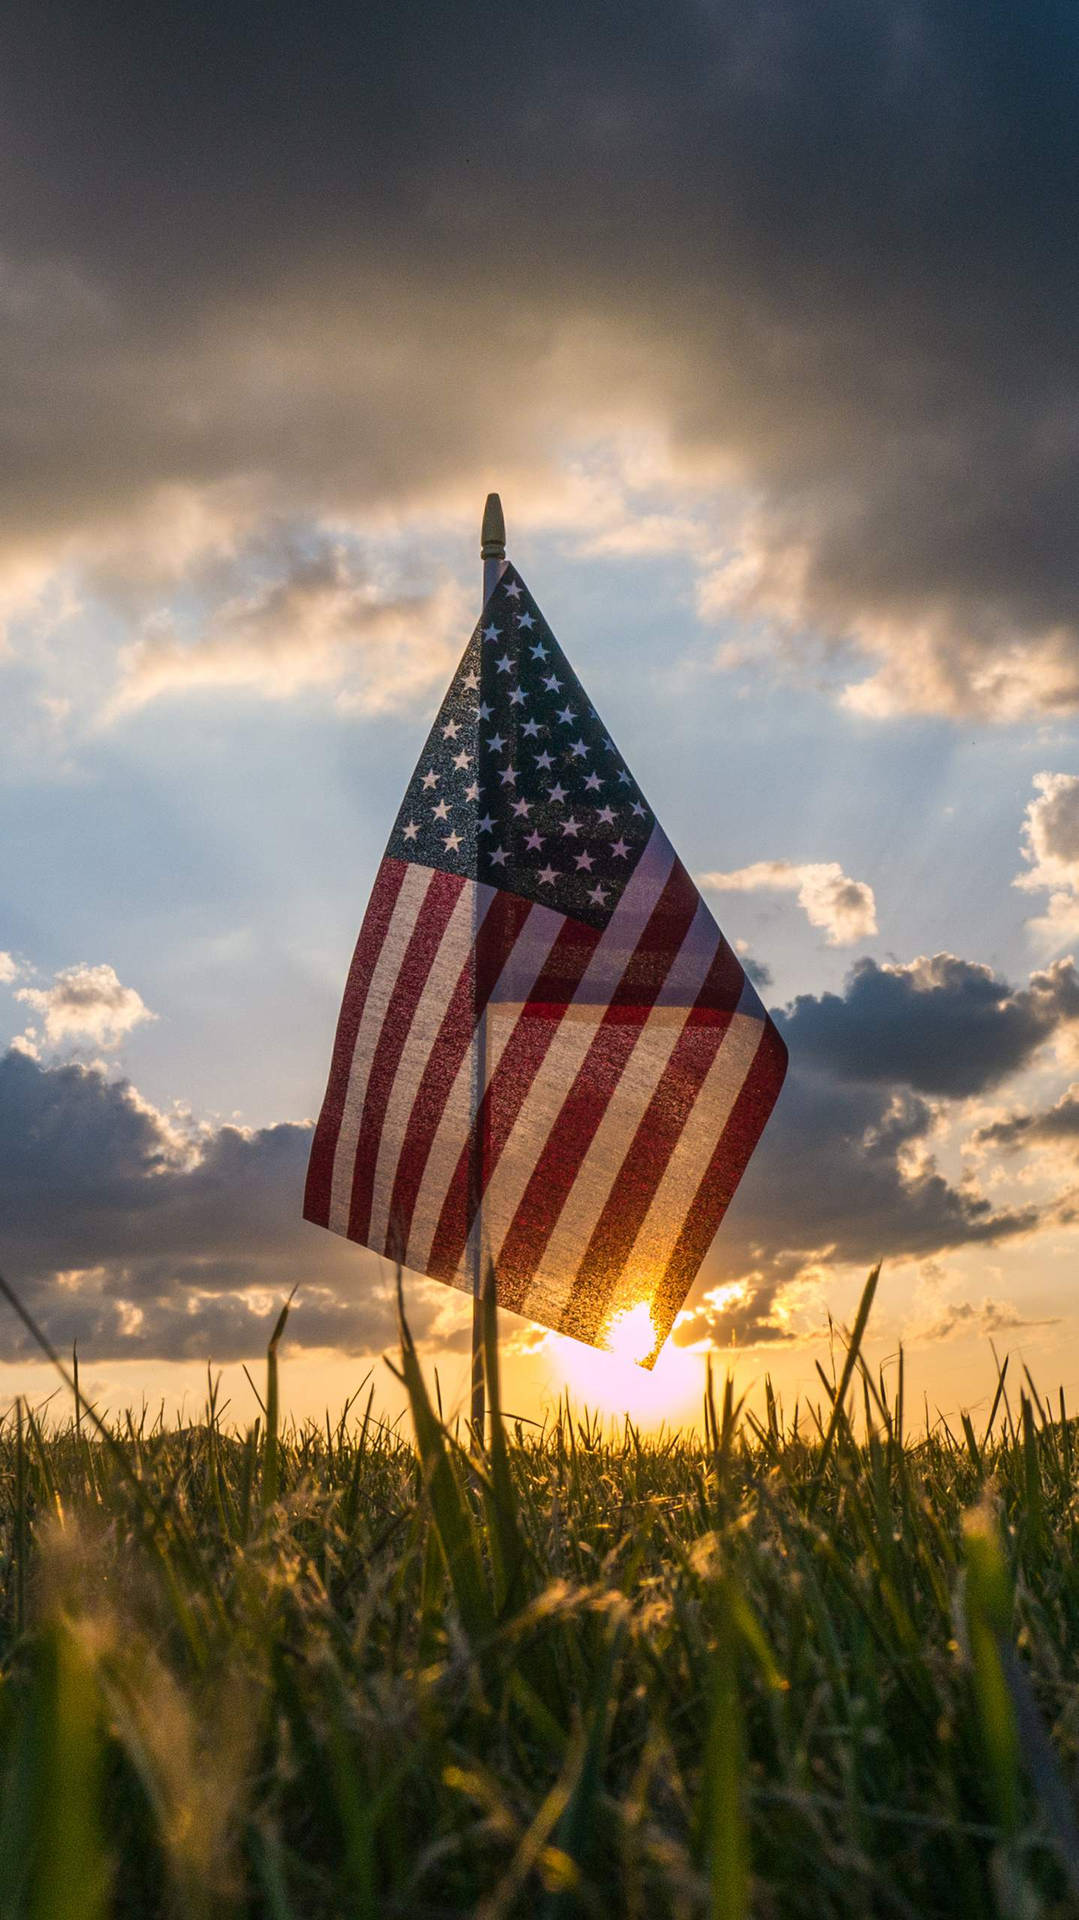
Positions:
{"x": 552, "y": 1283}
{"x": 386, "y": 969}
{"x": 523, "y": 965}
{"x": 704, "y": 1128}
{"x": 454, "y": 948}
{"x": 573, "y": 1037}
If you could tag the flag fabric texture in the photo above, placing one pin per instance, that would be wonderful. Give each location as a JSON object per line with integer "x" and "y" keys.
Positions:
{"x": 548, "y": 1058}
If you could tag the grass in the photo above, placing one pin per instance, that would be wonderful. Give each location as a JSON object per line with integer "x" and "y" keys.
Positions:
{"x": 814, "y": 1666}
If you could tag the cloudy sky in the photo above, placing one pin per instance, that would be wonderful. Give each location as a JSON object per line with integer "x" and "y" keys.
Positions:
{"x": 762, "y": 319}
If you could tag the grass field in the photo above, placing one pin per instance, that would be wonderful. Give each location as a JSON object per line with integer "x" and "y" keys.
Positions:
{"x": 806, "y": 1665}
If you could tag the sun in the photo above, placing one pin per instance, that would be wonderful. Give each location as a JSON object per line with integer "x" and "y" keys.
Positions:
{"x": 610, "y": 1379}
{"x": 630, "y": 1334}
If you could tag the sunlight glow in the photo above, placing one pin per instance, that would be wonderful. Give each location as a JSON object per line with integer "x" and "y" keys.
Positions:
{"x": 630, "y": 1334}
{"x": 610, "y": 1379}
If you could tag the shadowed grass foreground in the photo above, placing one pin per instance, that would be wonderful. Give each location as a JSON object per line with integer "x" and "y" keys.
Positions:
{"x": 817, "y": 1668}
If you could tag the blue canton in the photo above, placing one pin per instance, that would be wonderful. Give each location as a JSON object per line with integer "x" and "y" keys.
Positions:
{"x": 519, "y": 784}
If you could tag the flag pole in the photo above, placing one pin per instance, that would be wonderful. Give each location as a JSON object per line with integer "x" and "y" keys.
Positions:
{"x": 493, "y": 556}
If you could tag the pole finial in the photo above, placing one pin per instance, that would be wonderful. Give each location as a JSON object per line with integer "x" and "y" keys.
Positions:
{"x": 493, "y": 531}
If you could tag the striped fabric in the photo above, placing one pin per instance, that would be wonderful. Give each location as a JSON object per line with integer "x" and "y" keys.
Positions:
{"x": 568, "y": 1095}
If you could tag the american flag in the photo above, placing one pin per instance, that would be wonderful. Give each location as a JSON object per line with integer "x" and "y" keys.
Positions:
{"x": 548, "y": 1060}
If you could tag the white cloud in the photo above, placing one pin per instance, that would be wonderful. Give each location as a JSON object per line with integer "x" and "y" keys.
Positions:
{"x": 322, "y": 624}
{"x": 85, "y": 1004}
{"x": 1051, "y": 850}
{"x": 829, "y": 898}
{"x": 8, "y": 969}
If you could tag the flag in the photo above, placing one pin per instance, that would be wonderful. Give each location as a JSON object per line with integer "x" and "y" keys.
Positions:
{"x": 548, "y": 1058}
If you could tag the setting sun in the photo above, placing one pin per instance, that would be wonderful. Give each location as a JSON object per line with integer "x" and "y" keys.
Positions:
{"x": 612, "y": 1379}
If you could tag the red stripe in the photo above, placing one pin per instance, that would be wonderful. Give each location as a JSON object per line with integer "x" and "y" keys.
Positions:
{"x": 495, "y": 940}
{"x": 728, "y": 1163}
{"x": 376, "y": 921}
{"x": 650, "y": 1151}
{"x": 522, "y": 1058}
{"x": 443, "y": 892}
{"x": 726, "y": 981}
{"x": 600, "y": 1071}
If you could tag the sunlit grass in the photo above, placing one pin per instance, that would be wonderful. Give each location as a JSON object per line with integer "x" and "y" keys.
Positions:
{"x": 811, "y": 1664}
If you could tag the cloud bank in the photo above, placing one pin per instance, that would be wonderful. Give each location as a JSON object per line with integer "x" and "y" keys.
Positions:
{"x": 846, "y": 1172}
{"x": 142, "y": 1243}
{"x": 820, "y": 258}
{"x": 141, "y": 1239}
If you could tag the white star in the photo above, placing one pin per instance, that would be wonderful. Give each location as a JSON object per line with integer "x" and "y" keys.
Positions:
{"x": 411, "y": 830}
{"x": 534, "y": 841}
{"x": 492, "y": 632}
{"x": 624, "y": 778}
{"x": 544, "y": 760}
{"x": 593, "y": 783}
{"x": 430, "y": 779}
{"x": 496, "y": 743}
{"x": 512, "y": 587}
{"x": 584, "y": 860}
{"x": 547, "y": 876}
{"x": 486, "y": 825}
{"x": 637, "y": 809}
{"x": 508, "y": 777}
{"x": 505, "y": 664}
{"x": 530, "y": 729}
{"x": 567, "y": 714}
{"x": 525, "y": 620}
{"x": 483, "y": 711}
{"x": 450, "y": 730}
{"x": 441, "y": 810}
{"x": 597, "y": 896}
{"x": 571, "y": 826}
{"x": 605, "y": 817}
{"x": 522, "y": 808}
{"x": 452, "y": 842}
{"x": 557, "y": 793}
{"x": 461, "y": 760}
{"x": 578, "y": 748}
{"x": 609, "y": 743}
{"x": 620, "y": 850}
{"x": 499, "y": 856}
{"x": 552, "y": 685}
{"x": 470, "y": 682}
{"x": 539, "y": 651}
{"x": 517, "y": 697}
{"x": 472, "y": 792}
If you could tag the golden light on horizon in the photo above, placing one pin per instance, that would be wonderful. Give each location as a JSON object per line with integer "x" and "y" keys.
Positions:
{"x": 610, "y": 1379}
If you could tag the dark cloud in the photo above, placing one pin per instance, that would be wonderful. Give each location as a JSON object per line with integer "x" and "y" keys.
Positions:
{"x": 127, "y": 1236}
{"x": 758, "y": 971}
{"x": 845, "y": 1173}
{"x": 1059, "y": 1123}
{"x": 749, "y": 1321}
{"x": 356, "y": 258}
{"x": 941, "y": 1025}
{"x": 834, "y": 1175}
{"x": 118, "y": 1234}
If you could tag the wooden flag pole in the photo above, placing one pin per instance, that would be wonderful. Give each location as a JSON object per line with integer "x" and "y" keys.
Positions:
{"x": 493, "y": 555}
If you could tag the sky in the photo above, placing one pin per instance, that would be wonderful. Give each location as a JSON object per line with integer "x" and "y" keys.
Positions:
{"x": 761, "y": 319}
